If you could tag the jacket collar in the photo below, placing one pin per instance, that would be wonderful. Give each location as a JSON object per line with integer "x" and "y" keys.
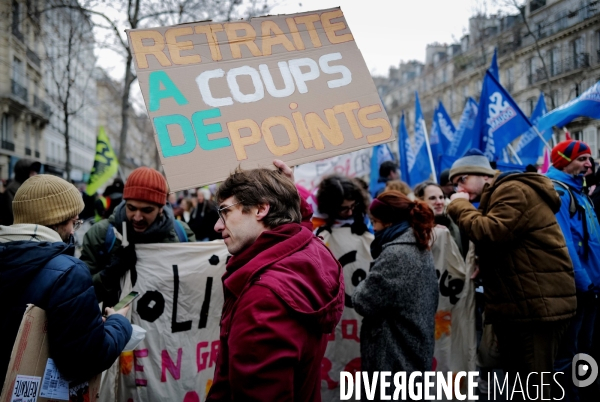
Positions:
{"x": 270, "y": 247}
{"x": 575, "y": 182}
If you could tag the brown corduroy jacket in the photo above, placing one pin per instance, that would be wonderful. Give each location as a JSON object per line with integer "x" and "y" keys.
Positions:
{"x": 523, "y": 258}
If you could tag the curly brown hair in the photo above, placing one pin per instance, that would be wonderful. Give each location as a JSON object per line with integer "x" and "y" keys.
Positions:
{"x": 418, "y": 214}
{"x": 263, "y": 186}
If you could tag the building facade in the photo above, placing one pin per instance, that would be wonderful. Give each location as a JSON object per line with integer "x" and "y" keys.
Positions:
{"x": 70, "y": 87}
{"x": 557, "y": 51}
{"x": 24, "y": 111}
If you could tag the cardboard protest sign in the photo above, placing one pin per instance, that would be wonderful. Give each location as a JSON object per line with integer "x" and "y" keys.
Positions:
{"x": 343, "y": 347}
{"x": 292, "y": 87}
{"x": 32, "y": 375}
{"x": 180, "y": 308}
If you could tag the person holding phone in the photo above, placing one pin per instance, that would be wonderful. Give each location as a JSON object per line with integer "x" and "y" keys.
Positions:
{"x": 38, "y": 268}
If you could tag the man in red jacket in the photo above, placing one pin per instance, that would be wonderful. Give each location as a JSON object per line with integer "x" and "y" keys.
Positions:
{"x": 284, "y": 291}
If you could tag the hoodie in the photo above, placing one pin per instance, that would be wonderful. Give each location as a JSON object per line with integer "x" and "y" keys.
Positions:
{"x": 584, "y": 252}
{"x": 283, "y": 295}
{"x": 38, "y": 268}
{"x": 523, "y": 257}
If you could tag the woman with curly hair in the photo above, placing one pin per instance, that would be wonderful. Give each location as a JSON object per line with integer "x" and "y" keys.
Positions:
{"x": 341, "y": 202}
{"x": 398, "y": 298}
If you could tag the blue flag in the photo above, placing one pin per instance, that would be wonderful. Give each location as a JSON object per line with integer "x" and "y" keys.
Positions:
{"x": 381, "y": 153}
{"x": 442, "y": 134}
{"x": 530, "y": 147}
{"x": 405, "y": 151}
{"x": 499, "y": 121}
{"x": 587, "y": 104}
{"x": 494, "y": 66}
{"x": 422, "y": 168}
{"x": 461, "y": 142}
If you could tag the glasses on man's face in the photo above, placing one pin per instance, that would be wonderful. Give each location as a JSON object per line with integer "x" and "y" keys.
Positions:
{"x": 346, "y": 208}
{"x": 220, "y": 211}
{"x": 77, "y": 224}
{"x": 461, "y": 180}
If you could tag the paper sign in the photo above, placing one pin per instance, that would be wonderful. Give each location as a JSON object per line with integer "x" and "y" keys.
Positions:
{"x": 26, "y": 389}
{"x": 54, "y": 385}
{"x": 222, "y": 95}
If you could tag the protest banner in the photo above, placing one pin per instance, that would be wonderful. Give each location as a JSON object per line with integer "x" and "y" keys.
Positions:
{"x": 180, "y": 308}
{"x": 292, "y": 87}
{"x": 343, "y": 347}
{"x": 455, "y": 317}
{"x": 354, "y": 164}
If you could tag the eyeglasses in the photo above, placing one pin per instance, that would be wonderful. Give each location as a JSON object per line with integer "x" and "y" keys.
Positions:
{"x": 461, "y": 180}
{"x": 77, "y": 224}
{"x": 221, "y": 216}
{"x": 348, "y": 207}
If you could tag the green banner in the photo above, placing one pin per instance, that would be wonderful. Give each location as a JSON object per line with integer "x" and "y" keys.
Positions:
{"x": 105, "y": 163}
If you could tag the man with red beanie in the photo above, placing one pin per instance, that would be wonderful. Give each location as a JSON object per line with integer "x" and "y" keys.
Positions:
{"x": 283, "y": 292}
{"x": 149, "y": 219}
{"x": 579, "y": 224}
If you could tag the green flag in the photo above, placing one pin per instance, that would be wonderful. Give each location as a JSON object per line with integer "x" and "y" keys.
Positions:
{"x": 105, "y": 163}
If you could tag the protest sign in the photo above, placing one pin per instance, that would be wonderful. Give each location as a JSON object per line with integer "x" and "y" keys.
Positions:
{"x": 180, "y": 308}
{"x": 343, "y": 347}
{"x": 292, "y": 87}
{"x": 354, "y": 164}
{"x": 32, "y": 374}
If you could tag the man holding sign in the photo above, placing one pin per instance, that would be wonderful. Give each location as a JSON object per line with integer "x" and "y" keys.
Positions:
{"x": 283, "y": 289}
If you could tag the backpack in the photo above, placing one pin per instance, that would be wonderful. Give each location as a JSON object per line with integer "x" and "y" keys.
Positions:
{"x": 109, "y": 240}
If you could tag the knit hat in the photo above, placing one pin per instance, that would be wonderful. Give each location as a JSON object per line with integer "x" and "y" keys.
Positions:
{"x": 146, "y": 184}
{"x": 567, "y": 151}
{"x": 473, "y": 162}
{"x": 46, "y": 200}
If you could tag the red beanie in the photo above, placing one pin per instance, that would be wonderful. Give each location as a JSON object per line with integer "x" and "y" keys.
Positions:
{"x": 146, "y": 184}
{"x": 567, "y": 151}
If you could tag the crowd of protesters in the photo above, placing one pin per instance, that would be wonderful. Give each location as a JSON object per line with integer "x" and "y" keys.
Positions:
{"x": 532, "y": 241}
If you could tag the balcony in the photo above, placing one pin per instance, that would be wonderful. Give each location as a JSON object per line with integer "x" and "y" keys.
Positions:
{"x": 27, "y": 151}
{"x": 582, "y": 60}
{"x": 7, "y": 145}
{"x": 37, "y": 154}
{"x": 18, "y": 90}
{"x": 17, "y": 33}
{"x": 33, "y": 57}
{"x": 43, "y": 106}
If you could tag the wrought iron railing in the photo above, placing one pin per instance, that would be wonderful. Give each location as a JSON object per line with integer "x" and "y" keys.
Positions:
{"x": 7, "y": 145}
{"x": 18, "y": 90}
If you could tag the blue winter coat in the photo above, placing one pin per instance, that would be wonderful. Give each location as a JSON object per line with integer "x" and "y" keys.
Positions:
{"x": 44, "y": 274}
{"x": 587, "y": 270}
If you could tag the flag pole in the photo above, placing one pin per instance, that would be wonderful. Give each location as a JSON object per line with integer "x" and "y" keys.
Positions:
{"x": 512, "y": 150}
{"x": 429, "y": 153}
{"x": 541, "y": 137}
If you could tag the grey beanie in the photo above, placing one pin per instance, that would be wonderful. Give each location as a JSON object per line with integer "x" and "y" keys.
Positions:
{"x": 474, "y": 162}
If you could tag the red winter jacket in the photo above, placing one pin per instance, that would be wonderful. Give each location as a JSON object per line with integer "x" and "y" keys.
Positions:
{"x": 282, "y": 296}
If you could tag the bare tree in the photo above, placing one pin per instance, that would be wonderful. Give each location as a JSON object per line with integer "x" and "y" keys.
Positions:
{"x": 520, "y": 7}
{"x": 68, "y": 41}
{"x": 112, "y": 18}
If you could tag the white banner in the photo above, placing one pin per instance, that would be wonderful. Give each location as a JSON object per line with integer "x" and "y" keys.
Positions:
{"x": 354, "y": 164}
{"x": 180, "y": 308}
{"x": 343, "y": 348}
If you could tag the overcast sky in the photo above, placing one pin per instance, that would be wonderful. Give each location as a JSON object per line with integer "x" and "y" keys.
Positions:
{"x": 387, "y": 31}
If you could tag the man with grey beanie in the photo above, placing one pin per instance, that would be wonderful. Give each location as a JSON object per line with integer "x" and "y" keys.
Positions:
{"x": 523, "y": 261}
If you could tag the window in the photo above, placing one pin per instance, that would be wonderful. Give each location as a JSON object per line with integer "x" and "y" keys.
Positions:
{"x": 531, "y": 105}
{"x": 17, "y": 72}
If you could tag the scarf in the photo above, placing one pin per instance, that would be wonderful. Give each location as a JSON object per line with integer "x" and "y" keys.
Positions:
{"x": 155, "y": 233}
{"x": 382, "y": 237}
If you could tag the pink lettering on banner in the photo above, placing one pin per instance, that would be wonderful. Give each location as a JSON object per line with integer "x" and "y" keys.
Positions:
{"x": 191, "y": 396}
{"x": 353, "y": 366}
{"x": 138, "y": 354}
{"x": 167, "y": 364}
{"x": 214, "y": 352}
{"x": 201, "y": 358}
{"x": 350, "y": 330}
{"x": 325, "y": 368}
